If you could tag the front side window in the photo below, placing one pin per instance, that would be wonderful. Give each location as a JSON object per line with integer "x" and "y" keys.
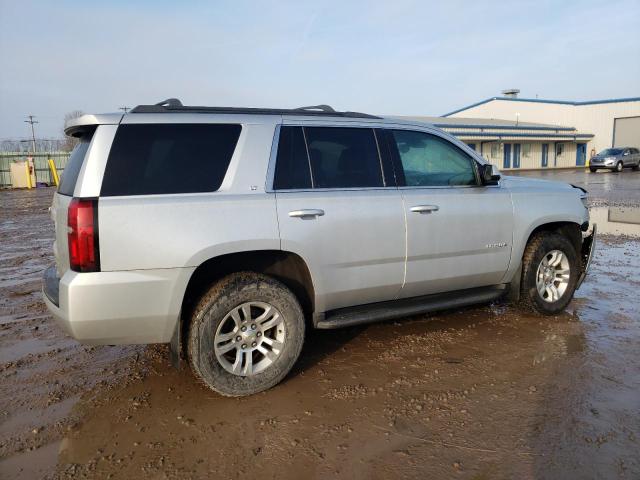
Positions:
{"x": 151, "y": 159}
{"x": 327, "y": 157}
{"x": 430, "y": 161}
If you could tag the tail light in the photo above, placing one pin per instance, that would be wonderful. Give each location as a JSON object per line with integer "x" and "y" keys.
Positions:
{"x": 84, "y": 254}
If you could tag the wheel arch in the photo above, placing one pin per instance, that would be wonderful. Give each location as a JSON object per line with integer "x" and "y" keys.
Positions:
{"x": 286, "y": 267}
{"x": 571, "y": 230}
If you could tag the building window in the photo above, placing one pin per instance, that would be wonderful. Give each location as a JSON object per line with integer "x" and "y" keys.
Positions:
{"x": 559, "y": 149}
{"x": 526, "y": 150}
{"x": 495, "y": 150}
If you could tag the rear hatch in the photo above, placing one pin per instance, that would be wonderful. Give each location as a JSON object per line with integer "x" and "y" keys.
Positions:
{"x": 62, "y": 198}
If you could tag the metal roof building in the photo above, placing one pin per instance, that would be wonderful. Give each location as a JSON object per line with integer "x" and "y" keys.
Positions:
{"x": 517, "y": 132}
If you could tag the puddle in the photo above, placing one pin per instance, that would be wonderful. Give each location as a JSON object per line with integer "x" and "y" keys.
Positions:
{"x": 31, "y": 464}
{"x": 617, "y": 220}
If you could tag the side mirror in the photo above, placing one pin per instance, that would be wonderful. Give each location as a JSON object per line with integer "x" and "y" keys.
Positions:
{"x": 487, "y": 175}
{"x": 626, "y": 153}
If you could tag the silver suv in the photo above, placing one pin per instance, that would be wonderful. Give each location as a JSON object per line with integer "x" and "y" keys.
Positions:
{"x": 228, "y": 232}
{"x": 615, "y": 159}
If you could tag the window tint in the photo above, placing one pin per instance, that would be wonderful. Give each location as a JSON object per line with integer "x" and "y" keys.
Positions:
{"x": 292, "y": 163}
{"x": 74, "y": 164}
{"x": 428, "y": 160}
{"x": 159, "y": 158}
{"x": 343, "y": 157}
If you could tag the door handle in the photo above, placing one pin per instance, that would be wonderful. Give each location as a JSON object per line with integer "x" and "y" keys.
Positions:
{"x": 307, "y": 213}
{"x": 424, "y": 208}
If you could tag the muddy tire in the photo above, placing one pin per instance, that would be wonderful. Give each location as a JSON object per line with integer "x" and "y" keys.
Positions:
{"x": 245, "y": 335}
{"x": 550, "y": 271}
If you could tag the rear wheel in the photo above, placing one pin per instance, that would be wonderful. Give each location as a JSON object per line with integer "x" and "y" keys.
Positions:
{"x": 550, "y": 270}
{"x": 636, "y": 167}
{"x": 245, "y": 335}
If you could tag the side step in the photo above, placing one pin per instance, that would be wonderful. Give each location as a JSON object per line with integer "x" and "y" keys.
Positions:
{"x": 376, "y": 312}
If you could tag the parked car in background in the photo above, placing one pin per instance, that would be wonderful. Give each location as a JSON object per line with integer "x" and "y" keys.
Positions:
{"x": 616, "y": 159}
{"x": 228, "y": 232}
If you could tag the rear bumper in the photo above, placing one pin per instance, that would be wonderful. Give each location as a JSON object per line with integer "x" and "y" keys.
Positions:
{"x": 117, "y": 307}
{"x": 588, "y": 247}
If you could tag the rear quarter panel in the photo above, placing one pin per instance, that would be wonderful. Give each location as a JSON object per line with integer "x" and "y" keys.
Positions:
{"x": 184, "y": 230}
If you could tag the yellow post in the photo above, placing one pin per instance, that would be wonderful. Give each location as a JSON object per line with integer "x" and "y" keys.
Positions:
{"x": 54, "y": 172}
{"x": 28, "y": 174}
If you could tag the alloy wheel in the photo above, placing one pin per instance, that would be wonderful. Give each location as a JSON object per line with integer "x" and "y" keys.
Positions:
{"x": 249, "y": 338}
{"x": 552, "y": 278}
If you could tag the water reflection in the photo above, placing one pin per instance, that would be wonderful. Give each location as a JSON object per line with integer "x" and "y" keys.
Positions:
{"x": 617, "y": 220}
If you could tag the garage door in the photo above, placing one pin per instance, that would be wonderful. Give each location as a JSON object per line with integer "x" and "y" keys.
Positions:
{"x": 626, "y": 132}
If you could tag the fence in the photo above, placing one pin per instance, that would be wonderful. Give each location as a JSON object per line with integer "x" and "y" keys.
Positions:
{"x": 40, "y": 161}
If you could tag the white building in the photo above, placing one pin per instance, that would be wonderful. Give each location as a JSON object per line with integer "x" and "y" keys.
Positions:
{"x": 544, "y": 133}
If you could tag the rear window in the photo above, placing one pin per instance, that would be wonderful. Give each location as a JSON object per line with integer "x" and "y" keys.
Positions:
{"x": 327, "y": 157}
{"x": 74, "y": 164}
{"x": 163, "y": 159}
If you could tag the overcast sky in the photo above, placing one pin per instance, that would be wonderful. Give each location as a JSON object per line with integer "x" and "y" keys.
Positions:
{"x": 387, "y": 57}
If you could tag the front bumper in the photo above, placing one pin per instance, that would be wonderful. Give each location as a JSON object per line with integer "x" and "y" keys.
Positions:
{"x": 586, "y": 254}
{"x": 110, "y": 308}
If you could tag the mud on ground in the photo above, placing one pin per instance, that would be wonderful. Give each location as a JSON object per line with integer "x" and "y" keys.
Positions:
{"x": 483, "y": 392}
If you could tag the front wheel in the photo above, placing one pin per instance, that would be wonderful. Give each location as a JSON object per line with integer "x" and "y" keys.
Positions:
{"x": 246, "y": 333}
{"x": 592, "y": 170}
{"x": 550, "y": 271}
{"x": 619, "y": 167}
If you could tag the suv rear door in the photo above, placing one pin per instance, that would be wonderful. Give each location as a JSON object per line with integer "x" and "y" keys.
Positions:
{"x": 339, "y": 209}
{"x": 459, "y": 232}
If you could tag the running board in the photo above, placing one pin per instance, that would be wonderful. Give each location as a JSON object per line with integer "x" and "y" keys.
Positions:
{"x": 377, "y": 312}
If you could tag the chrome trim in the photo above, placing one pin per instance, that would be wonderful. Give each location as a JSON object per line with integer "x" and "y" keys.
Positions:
{"x": 306, "y": 213}
{"x": 424, "y": 208}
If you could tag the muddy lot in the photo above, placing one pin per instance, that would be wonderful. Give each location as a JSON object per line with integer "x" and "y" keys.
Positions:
{"x": 480, "y": 393}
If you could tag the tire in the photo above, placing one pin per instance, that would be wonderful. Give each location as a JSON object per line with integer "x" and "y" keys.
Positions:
{"x": 221, "y": 313}
{"x": 635, "y": 168}
{"x": 619, "y": 167}
{"x": 592, "y": 170}
{"x": 539, "y": 247}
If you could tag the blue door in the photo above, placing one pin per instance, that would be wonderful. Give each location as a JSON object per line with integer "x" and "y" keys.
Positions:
{"x": 545, "y": 154}
{"x": 516, "y": 155}
{"x": 472, "y": 146}
{"x": 506, "y": 163}
{"x": 581, "y": 153}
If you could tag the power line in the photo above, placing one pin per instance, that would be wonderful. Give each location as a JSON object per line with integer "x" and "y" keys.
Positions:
{"x": 124, "y": 109}
{"x": 33, "y": 133}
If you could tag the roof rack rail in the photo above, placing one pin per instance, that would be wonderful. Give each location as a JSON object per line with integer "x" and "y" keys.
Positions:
{"x": 170, "y": 102}
{"x": 173, "y": 105}
{"x": 322, "y": 108}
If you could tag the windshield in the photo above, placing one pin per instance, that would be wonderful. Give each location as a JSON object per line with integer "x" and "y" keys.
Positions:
{"x": 610, "y": 151}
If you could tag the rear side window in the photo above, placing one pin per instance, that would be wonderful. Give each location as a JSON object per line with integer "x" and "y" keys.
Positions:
{"x": 169, "y": 158}
{"x": 74, "y": 164}
{"x": 292, "y": 164}
{"x": 327, "y": 157}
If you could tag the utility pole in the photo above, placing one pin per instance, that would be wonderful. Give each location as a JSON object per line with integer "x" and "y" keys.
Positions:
{"x": 124, "y": 109}
{"x": 33, "y": 134}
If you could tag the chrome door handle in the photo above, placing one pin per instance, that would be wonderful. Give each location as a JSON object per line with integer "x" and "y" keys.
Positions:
{"x": 306, "y": 213}
{"x": 425, "y": 208}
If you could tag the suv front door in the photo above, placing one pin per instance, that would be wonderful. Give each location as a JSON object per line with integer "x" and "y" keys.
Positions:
{"x": 339, "y": 209}
{"x": 459, "y": 232}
